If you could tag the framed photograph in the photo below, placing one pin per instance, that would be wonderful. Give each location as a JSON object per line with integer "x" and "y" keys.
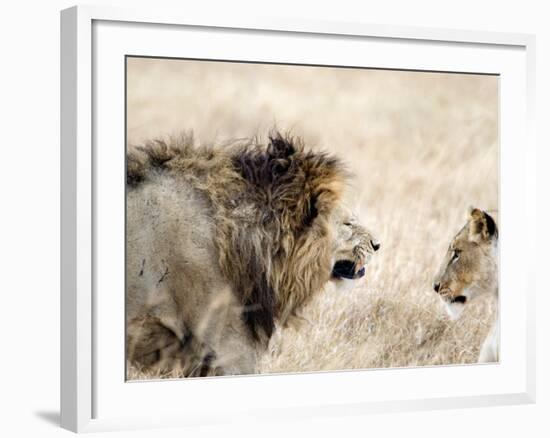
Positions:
{"x": 280, "y": 219}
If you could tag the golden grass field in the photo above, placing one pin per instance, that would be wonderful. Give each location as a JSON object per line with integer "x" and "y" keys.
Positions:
{"x": 423, "y": 147}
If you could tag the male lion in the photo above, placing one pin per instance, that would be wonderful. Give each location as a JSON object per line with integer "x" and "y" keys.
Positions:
{"x": 469, "y": 269}
{"x": 224, "y": 242}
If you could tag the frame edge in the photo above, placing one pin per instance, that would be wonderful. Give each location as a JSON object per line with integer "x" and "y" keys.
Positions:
{"x": 531, "y": 203}
{"x": 68, "y": 85}
{"x": 76, "y": 238}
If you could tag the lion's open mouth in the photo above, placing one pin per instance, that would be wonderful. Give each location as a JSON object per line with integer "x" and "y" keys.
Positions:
{"x": 347, "y": 269}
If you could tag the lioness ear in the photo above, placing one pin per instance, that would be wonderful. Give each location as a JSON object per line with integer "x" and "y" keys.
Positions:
{"x": 482, "y": 227}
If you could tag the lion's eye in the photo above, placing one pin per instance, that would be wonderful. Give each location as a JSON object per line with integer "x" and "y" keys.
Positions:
{"x": 456, "y": 255}
{"x": 347, "y": 224}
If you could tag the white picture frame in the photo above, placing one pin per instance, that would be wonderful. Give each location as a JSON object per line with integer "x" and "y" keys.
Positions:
{"x": 91, "y": 393}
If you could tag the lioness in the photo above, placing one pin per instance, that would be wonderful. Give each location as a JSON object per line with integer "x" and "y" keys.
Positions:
{"x": 223, "y": 242}
{"x": 469, "y": 269}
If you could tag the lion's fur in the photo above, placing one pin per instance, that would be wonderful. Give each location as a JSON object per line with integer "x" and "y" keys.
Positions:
{"x": 470, "y": 269}
{"x": 256, "y": 221}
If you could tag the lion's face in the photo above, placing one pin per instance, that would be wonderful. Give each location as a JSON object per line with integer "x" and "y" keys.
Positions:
{"x": 469, "y": 267}
{"x": 354, "y": 246}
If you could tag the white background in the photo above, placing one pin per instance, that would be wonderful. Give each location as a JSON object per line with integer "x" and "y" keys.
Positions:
{"x": 29, "y": 235}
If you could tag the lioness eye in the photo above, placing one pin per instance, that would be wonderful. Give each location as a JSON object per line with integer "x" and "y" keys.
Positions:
{"x": 347, "y": 224}
{"x": 456, "y": 254}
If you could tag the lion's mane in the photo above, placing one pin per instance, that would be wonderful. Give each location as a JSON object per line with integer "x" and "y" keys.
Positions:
{"x": 271, "y": 205}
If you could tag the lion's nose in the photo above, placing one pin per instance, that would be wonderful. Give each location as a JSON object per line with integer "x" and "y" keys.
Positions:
{"x": 375, "y": 244}
{"x": 436, "y": 287}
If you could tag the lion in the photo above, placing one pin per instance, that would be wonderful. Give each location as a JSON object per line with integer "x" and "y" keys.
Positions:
{"x": 225, "y": 242}
{"x": 470, "y": 269}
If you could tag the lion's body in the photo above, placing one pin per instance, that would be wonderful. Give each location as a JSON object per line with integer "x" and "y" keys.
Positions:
{"x": 223, "y": 242}
{"x": 172, "y": 277}
{"x": 470, "y": 269}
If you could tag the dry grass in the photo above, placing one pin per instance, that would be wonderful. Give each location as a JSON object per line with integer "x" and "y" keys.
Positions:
{"x": 424, "y": 147}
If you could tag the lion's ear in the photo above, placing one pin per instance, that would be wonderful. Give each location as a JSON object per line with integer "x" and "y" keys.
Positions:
{"x": 482, "y": 227}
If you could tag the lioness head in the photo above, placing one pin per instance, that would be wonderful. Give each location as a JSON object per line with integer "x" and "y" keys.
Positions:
{"x": 470, "y": 266}
{"x": 354, "y": 245}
